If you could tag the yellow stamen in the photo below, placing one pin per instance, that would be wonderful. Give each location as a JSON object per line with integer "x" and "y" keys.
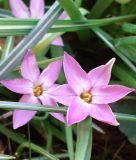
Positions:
{"x": 38, "y": 90}
{"x": 86, "y": 96}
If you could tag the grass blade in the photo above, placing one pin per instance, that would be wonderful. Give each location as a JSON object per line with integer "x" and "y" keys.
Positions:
{"x": 8, "y": 47}
{"x": 108, "y": 40}
{"x": 38, "y": 150}
{"x": 24, "y": 106}
{"x": 70, "y": 145}
{"x": 84, "y": 138}
{"x": 35, "y": 35}
{"x": 3, "y": 156}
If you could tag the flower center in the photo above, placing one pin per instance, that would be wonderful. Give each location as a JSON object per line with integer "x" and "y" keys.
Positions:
{"x": 86, "y": 96}
{"x": 38, "y": 90}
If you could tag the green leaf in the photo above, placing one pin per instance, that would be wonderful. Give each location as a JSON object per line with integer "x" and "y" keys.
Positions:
{"x": 14, "y": 27}
{"x": 126, "y": 126}
{"x": 125, "y": 41}
{"x": 70, "y": 145}
{"x": 130, "y": 8}
{"x": 37, "y": 149}
{"x": 122, "y": 71}
{"x": 129, "y": 51}
{"x": 12, "y": 135}
{"x": 8, "y": 47}
{"x": 5, "y": 13}
{"x": 15, "y": 57}
{"x": 24, "y": 144}
{"x": 74, "y": 13}
{"x": 84, "y": 140}
{"x": 117, "y": 50}
{"x": 26, "y": 106}
{"x": 99, "y": 8}
{"x": 3, "y": 156}
{"x": 130, "y": 28}
{"x": 97, "y": 128}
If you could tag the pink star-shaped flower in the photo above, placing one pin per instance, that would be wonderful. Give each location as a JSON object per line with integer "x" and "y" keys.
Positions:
{"x": 35, "y": 87}
{"x": 88, "y": 94}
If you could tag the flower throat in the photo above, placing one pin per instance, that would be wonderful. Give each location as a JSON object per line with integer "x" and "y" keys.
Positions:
{"x": 86, "y": 96}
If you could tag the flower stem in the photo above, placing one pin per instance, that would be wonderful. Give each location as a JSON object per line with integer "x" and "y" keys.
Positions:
{"x": 70, "y": 145}
{"x": 84, "y": 140}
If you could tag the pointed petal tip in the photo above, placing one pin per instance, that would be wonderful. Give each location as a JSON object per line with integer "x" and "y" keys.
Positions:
{"x": 65, "y": 54}
{"x": 58, "y": 42}
{"x": 15, "y": 126}
{"x": 113, "y": 124}
{"x": 29, "y": 53}
{"x": 111, "y": 62}
{"x": 117, "y": 124}
{"x": 129, "y": 90}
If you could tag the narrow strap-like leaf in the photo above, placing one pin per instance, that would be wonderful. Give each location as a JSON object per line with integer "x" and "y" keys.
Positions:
{"x": 8, "y": 47}
{"x": 28, "y": 42}
{"x": 70, "y": 145}
{"x": 108, "y": 40}
{"x": 84, "y": 140}
{"x": 23, "y": 106}
{"x": 7, "y": 157}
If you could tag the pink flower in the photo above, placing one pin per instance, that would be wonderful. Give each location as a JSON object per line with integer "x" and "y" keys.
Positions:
{"x": 88, "y": 94}
{"x": 35, "y": 10}
{"x": 35, "y": 87}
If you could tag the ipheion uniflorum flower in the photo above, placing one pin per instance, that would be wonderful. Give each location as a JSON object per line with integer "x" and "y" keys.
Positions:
{"x": 88, "y": 94}
{"x": 35, "y": 88}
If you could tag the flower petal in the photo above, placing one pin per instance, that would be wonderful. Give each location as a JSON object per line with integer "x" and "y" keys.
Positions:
{"x": 62, "y": 94}
{"x": 37, "y": 8}
{"x": 64, "y": 15}
{"x": 58, "y": 42}
{"x": 20, "y": 85}
{"x": 29, "y": 67}
{"x": 46, "y": 100}
{"x": 103, "y": 113}
{"x": 109, "y": 94}
{"x": 50, "y": 74}
{"x": 100, "y": 76}
{"x": 21, "y": 117}
{"x": 77, "y": 111}
{"x": 19, "y": 9}
{"x": 75, "y": 75}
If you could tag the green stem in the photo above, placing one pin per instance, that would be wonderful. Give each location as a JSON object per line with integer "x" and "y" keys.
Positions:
{"x": 29, "y": 140}
{"x": 70, "y": 144}
{"x": 36, "y": 149}
{"x": 84, "y": 140}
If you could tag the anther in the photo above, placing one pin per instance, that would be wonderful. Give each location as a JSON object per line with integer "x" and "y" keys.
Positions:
{"x": 86, "y": 96}
{"x": 38, "y": 91}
